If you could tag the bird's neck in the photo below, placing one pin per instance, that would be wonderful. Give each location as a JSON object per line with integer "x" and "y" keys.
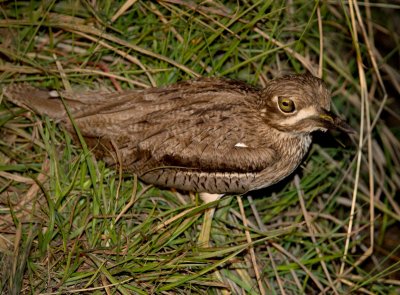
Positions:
{"x": 291, "y": 142}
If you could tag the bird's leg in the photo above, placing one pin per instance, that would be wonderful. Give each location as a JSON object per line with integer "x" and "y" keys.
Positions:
{"x": 204, "y": 238}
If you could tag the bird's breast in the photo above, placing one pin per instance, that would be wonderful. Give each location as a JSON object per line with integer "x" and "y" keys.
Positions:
{"x": 291, "y": 151}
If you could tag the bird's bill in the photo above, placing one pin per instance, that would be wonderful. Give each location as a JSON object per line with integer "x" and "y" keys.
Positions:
{"x": 331, "y": 121}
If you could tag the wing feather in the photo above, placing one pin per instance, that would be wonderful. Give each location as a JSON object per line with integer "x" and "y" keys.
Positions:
{"x": 196, "y": 124}
{"x": 209, "y": 143}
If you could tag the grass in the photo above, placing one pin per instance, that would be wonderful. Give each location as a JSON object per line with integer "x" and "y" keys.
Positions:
{"x": 69, "y": 224}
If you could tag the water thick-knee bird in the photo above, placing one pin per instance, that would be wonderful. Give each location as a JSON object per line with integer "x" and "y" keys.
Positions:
{"x": 210, "y": 135}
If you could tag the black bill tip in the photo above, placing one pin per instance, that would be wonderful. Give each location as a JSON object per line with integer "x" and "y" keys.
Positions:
{"x": 332, "y": 121}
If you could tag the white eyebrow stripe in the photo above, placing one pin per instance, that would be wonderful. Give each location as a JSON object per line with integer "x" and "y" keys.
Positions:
{"x": 300, "y": 115}
{"x": 241, "y": 144}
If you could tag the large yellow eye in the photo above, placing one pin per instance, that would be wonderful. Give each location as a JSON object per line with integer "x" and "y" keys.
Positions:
{"x": 286, "y": 105}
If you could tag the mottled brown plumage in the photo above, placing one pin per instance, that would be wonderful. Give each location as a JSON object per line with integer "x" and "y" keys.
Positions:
{"x": 207, "y": 135}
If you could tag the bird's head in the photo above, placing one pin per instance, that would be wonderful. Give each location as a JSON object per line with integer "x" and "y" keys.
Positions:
{"x": 299, "y": 104}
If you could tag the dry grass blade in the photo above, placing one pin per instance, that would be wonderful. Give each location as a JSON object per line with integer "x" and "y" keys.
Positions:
{"x": 123, "y": 9}
{"x": 251, "y": 250}
{"x": 312, "y": 232}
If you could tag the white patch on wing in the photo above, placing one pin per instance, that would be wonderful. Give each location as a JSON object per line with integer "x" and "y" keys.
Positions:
{"x": 241, "y": 144}
{"x": 300, "y": 115}
{"x": 53, "y": 93}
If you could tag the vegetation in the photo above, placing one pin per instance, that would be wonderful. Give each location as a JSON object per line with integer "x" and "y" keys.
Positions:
{"x": 69, "y": 224}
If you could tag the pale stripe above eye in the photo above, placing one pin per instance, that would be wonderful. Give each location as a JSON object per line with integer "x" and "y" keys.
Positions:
{"x": 300, "y": 115}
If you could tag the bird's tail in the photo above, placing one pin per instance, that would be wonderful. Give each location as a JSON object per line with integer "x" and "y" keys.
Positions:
{"x": 43, "y": 102}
